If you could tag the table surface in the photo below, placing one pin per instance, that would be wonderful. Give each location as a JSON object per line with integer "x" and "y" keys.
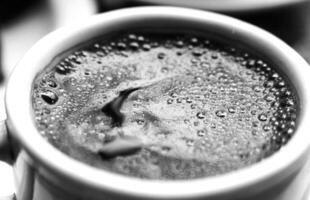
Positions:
{"x": 291, "y": 24}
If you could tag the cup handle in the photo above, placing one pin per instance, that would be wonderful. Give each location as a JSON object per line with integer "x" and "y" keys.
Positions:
{"x": 5, "y": 149}
{"x": 5, "y": 153}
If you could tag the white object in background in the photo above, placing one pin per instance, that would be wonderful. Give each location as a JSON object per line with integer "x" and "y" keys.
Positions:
{"x": 19, "y": 36}
{"x": 71, "y": 11}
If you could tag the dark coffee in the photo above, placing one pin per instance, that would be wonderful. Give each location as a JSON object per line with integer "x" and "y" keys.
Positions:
{"x": 163, "y": 106}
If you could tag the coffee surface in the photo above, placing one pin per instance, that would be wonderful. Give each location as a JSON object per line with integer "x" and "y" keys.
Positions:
{"x": 163, "y": 106}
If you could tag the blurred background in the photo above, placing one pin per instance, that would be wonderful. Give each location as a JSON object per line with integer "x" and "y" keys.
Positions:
{"x": 22, "y": 23}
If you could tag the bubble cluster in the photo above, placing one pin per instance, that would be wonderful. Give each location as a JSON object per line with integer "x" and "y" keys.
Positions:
{"x": 201, "y": 107}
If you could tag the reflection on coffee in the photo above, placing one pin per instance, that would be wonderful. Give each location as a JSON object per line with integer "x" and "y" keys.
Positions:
{"x": 164, "y": 106}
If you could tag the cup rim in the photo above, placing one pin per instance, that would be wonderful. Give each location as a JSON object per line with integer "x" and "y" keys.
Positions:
{"x": 22, "y": 127}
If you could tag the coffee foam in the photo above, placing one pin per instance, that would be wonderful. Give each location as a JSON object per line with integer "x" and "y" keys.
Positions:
{"x": 202, "y": 108}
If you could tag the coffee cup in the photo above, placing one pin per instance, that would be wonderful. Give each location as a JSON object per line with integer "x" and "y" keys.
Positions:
{"x": 43, "y": 172}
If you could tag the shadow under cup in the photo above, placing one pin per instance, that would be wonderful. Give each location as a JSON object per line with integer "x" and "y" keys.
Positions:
{"x": 43, "y": 172}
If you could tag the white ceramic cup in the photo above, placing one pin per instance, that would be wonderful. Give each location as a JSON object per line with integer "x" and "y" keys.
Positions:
{"x": 44, "y": 173}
